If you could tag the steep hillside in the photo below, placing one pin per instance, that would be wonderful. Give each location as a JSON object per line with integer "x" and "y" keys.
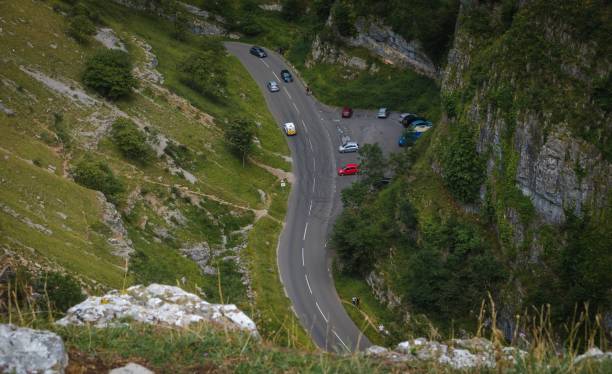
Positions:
{"x": 510, "y": 194}
{"x": 186, "y": 211}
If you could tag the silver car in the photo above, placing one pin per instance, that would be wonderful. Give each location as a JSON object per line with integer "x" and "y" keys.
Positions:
{"x": 383, "y": 113}
{"x": 348, "y": 147}
{"x": 273, "y": 86}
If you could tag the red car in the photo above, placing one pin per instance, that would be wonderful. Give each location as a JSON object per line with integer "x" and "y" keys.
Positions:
{"x": 347, "y": 112}
{"x": 348, "y": 169}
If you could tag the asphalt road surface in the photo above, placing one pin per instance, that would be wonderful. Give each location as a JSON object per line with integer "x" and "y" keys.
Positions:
{"x": 304, "y": 260}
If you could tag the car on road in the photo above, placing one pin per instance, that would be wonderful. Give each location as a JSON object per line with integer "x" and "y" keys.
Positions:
{"x": 383, "y": 113}
{"x": 289, "y": 129}
{"x": 348, "y": 169}
{"x": 273, "y": 86}
{"x": 347, "y": 112}
{"x": 286, "y": 76}
{"x": 348, "y": 147}
{"x": 258, "y": 51}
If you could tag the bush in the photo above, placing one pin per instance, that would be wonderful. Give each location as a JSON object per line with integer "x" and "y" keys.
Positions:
{"x": 60, "y": 292}
{"x": 109, "y": 72}
{"x": 204, "y": 72}
{"x": 344, "y": 19}
{"x": 293, "y": 9}
{"x": 96, "y": 174}
{"x": 132, "y": 143}
{"x": 463, "y": 168}
{"x": 239, "y": 134}
{"x": 81, "y": 29}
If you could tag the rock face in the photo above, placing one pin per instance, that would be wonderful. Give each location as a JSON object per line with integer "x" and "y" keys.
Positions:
{"x": 328, "y": 54}
{"x": 391, "y": 47}
{"x": 24, "y": 350}
{"x": 156, "y": 304}
{"x": 459, "y": 354}
{"x": 112, "y": 219}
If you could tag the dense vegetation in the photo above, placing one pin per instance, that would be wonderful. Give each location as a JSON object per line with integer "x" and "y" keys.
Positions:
{"x": 97, "y": 175}
{"x": 132, "y": 143}
{"x": 109, "y": 72}
{"x": 443, "y": 256}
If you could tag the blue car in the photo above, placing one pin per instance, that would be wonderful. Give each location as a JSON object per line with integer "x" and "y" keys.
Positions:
{"x": 420, "y": 122}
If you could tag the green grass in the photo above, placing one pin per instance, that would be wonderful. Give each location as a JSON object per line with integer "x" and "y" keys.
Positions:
{"x": 370, "y": 313}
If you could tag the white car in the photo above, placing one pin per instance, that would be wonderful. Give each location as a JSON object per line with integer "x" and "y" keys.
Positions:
{"x": 289, "y": 128}
{"x": 273, "y": 86}
{"x": 348, "y": 147}
{"x": 383, "y": 113}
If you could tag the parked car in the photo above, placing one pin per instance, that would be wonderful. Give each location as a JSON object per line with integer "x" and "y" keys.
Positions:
{"x": 420, "y": 122}
{"x": 258, "y": 51}
{"x": 348, "y": 169}
{"x": 273, "y": 86}
{"x": 405, "y": 115}
{"x": 403, "y": 140}
{"x": 383, "y": 113}
{"x": 348, "y": 147}
{"x": 347, "y": 112}
{"x": 382, "y": 182}
{"x": 406, "y": 121}
{"x": 286, "y": 76}
{"x": 289, "y": 129}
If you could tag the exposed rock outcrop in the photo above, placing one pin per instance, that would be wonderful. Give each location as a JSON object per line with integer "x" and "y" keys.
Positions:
{"x": 24, "y": 350}
{"x": 156, "y": 304}
{"x": 458, "y": 354}
{"x": 391, "y": 47}
{"x": 120, "y": 240}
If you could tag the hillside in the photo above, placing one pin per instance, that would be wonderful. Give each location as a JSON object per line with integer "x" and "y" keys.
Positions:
{"x": 508, "y": 197}
{"x": 192, "y": 213}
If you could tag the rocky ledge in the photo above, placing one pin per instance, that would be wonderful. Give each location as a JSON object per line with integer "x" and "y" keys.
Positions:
{"x": 156, "y": 304}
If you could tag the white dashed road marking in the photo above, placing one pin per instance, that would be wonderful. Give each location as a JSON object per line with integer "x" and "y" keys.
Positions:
{"x": 310, "y": 207}
{"x": 320, "y": 311}
{"x": 341, "y": 341}
{"x": 309, "y": 142}
{"x": 303, "y": 256}
{"x": 265, "y": 63}
{"x": 277, "y": 78}
{"x": 296, "y": 108}
{"x": 314, "y": 183}
{"x": 305, "y": 231}
{"x": 305, "y": 127}
{"x": 308, "y": 284}
{"x": 287, "y": 92}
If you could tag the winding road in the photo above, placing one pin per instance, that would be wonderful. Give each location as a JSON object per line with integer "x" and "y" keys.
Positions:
{"x": 303, "y": 259}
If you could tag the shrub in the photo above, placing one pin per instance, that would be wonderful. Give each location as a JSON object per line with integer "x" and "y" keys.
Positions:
{"x": 81, "y": 28}
{"x": 204, "y": 72}
{"x": 239, "y": 134}
{"x": 463, "y": 168}
{"x": 60, "y": 291}
{"x": 109, "y": 72}
{"x": 96, "y": 174}
{"x": 293, "y": 9}
{"x": 344, "y": 19}
{"x": 132, "y": 143}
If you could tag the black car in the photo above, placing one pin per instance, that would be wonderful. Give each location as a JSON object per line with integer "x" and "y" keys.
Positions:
{"x": 407, "y": 120}
{"x": 258, "y": 51}
{"x": 286, "y": 76}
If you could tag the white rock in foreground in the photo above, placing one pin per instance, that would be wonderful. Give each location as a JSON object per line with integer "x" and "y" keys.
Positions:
{"x": 156, "y": 304}
{"x": 24, "y": 350}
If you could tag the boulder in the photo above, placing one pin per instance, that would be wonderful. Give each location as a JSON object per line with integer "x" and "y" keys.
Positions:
{"x": 24, "y": 350}
{"x": 131, "y": 368}
{"x": 156, "y": 304}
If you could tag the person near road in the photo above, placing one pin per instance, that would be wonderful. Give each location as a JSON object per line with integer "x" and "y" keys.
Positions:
{"x": 355, "y": 301}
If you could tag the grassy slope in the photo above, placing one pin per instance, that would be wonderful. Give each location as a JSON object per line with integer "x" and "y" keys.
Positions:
{"x": 220, "y": 175}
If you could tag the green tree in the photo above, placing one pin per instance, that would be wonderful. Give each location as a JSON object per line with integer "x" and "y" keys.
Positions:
{"x": 372, "y": 163}
{"x": 293, "y": 9}
{"x": 463, "y": 168}
{"x": 239, "y": 135}
{"x": 81, "y": 28}
{"x": 59, "y": 291}
{"x": 344, "y": 18}
{"x": 96, "y": 174}
{"x": 109, "y": 72}
{"x": 132, "y": 143}
{"x": 205, "y": 73}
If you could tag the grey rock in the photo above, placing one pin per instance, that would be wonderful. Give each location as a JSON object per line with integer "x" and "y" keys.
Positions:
{"x": 131, "y": 368}
{"x": 120, "y": 241}
{"x": 6, "y": 110}
{"x": 24, "y": 350}
{"x": 593, "y": 354}
{"x": 159, "y": 305}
